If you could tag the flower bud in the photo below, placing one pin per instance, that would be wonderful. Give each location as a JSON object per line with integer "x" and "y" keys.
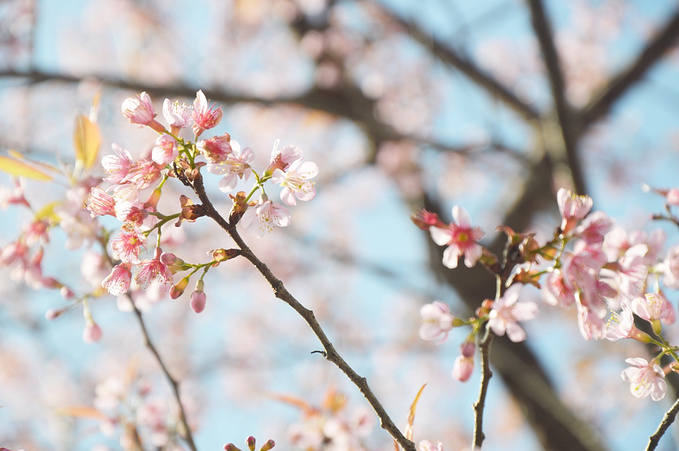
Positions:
{"x": 268, "y": 445}
{"x": 92, "y": 332}
{"x": 198, "y": 297}
{"x": 231, "y": 447}
{"x": 251, "y": 442}
{"x": 221, "y": 255}
{"x": 178, "y": 288}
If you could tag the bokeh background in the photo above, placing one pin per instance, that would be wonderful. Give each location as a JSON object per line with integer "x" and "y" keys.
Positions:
{"x": 489, "y": 105}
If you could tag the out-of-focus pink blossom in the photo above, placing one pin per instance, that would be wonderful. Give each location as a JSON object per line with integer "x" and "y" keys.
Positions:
{"x": 594, "y": 228}
{"x": 556, "y": 292}
{"x": 672, "y": 196}
{"x": 461, "y": 239}
{"x": 236, "y": 166}
{"x": 165, "y": 150}
{"x": 204, "y": 117}
{"x": 507, "y": 312}
{"x": 35, "y": 232}
{"x": 295, "y": 181}
{"x": 645, "y": 378}
{"x": 671, "y": 268}
{"x": 654, "y": 307}
{"x": 572, "y": 208}
{"x": 13, "y": 196}
{"x": 591, "y": 324}
{"x": 267, "y": 215}
{"x": 436, "y": 321}
{"x": 426, "y": 445}
{"x": 92, "y": 332}
{"x": 118, "y": 281}
{"x": 215, "y": 149}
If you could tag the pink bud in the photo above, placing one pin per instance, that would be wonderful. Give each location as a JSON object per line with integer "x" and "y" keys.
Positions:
{"x": 268, "y": 445}
{"x": 53, "y": 313}
{"x": 672, "y": 196}
{"x": 251, "y": 442}
{"x": 66, "y": 293}
{"x": 231, "y": 447}
{"x": 467, "y": 348}
{"x": 168, "y": 258}
{"x": 198, "y": 299}
{"x": 463, "y": 368}
{"x": 92, "y": 332}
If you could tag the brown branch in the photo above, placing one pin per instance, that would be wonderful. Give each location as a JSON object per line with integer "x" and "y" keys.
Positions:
{"x": 667, "y": 420}
{"x": 564, "y": 112}
{"x": 330, "y": 353}
{"x": 602, "y": 103}
{"x": 186, "y": 433}
{"x": 449, "y": 56}
{"x": 480, "y": 403}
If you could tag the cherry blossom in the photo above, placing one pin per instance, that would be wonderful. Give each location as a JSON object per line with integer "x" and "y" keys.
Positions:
{"x": 461, "y": 239}
{"x": 215, "y": 149}
{"x": 267, "y": 215}
{"x": 295, "y": 181}
{"x": 436, "y": 321}
{"x": 645, "y": 378}
{"x": 236, "y": 166}
{"x": 572, "y": 208}
{"x": 506, "y": 314}
{"x": 177, "y": 115}
{"x": 100, "y": 203}
{"x": 139, "y": 109}
{"x": 204, "y": 117}
{"x": 621, "y": 325}
{"x": 118, "y": 281}
{"x": 283, "y": 158}
{"x": 165, "y": 150}
{"x": 127, "y": 244}
{"x": 154, "y": 277}
{"x": 463, "y": 368}
{"x": 653, "y": 307}
{"x": 426, "y": 445}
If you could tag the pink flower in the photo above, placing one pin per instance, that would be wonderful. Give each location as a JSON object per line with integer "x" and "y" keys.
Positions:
{"x": 100, "y": 203}
{"x": 117, "y": 166}
{"x": 118, "y": 281}
{"x": 572, "y": 208}
{"x": 165, "y": 150}
{"x": 426, "y": 445}
{"x": 461, "y": 238}
{"x": 645, "y": 379}
{"x": 436, "y": 321}
{"x": 283, "y": 158}
{"x": 268, "y": 215}
{"x": 463, "y": 368}
{"x": 154, "y": 276}
{"x": 13, "y": 196}
{"x": 622, "y": 326}
{"x": 555, "y": 291}
{"x": 594, "y": 228}
{"x": 132, "y": 212}
{"x": 36, "y": 232}
{"x": 506, "y": 314}
{"x": 177, "y": 115}
{"x": 671, "y": 268}
{"x": 126, "y": 245}
{"x": 215, "y": 149}
{"x": 139, "y": 110}
{"x": 672, "y": 196}
{"x": 236, "y": 166}
{"x": 591, "y": 324}
{"x": 653, "y": 308}
{"x": 204, "y": 116}
{"x": 295, "y": 181}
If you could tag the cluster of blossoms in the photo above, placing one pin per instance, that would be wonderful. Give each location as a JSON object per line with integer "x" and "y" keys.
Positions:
{"x": 175, "y": 157}
{"x": 331, "y": 426}
{"x": 130, "y": 410}
{"x": 589, "y": 263}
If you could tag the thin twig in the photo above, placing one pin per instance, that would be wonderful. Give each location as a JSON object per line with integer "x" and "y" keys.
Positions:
{"x": 667, "y": 420}
{"x": 308, "y": 315}
{"x": 480, "y": 403}
{"x": 186, "y": 433}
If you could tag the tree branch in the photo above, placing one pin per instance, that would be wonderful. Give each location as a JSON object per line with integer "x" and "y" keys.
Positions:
{"x": 449, "y": 56}
{"x": 486, "y": 374}
{"x": 667, "y": 420}
{"x": 567, "y": 119}
{"x": 330, "y": 353}
{"x": 602, "y": 103}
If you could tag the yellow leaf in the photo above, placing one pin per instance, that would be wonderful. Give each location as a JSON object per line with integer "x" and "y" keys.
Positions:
{"x": 86, "y": 140}
{"x": 411, "y": 415}
{"x": 81, "y": 412}
{"x": 19, "y": 168}
{"x": 47, "y": 211}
